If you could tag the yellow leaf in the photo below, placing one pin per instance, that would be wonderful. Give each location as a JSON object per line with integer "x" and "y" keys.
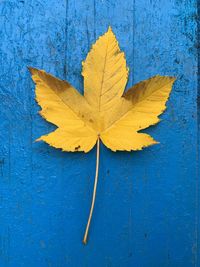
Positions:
{"x": 103, "y": 112}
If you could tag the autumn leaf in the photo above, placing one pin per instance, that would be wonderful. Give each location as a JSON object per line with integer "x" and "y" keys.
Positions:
{"x": 105, "y": 112}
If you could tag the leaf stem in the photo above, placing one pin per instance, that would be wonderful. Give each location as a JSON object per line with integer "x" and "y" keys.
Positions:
{"x": 94, "y": 194}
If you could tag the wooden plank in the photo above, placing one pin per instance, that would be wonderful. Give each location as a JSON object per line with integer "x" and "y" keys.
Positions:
{"x": 32, "y": 33}
{"x": 165, "y": 34}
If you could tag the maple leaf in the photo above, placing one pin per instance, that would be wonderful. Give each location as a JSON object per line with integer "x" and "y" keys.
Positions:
{"x": 104, "y": 112}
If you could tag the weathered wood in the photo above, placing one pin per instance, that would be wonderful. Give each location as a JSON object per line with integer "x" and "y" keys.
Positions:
{"x": 146, "y": 209}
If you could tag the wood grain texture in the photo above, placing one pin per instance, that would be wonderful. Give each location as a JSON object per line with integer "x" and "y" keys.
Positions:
{"x": 146, "y": 212}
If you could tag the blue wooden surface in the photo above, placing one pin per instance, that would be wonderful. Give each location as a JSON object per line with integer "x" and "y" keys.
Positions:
{"x": 146, "y": 213}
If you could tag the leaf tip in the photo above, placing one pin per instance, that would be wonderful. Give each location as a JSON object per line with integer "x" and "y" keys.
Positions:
{"x": 173, "y": 78}
{"x": 31, "y": 70}
{"x": 38, "y": 139}
{"x": 110, "y": 31}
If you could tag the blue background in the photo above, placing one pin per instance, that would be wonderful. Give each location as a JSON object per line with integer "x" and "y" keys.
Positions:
{"x": 146, "y": 212}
